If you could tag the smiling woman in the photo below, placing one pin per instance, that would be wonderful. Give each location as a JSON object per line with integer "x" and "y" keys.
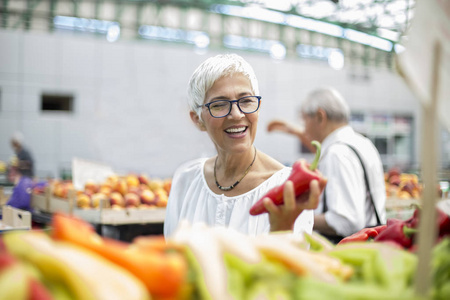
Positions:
{"x": 224, "y": 99}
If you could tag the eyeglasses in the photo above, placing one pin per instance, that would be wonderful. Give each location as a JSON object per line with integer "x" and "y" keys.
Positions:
{"x": 222, "y": 108}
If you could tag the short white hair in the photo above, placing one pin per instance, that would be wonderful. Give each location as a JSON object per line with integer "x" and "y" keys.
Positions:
{"x": 18, "y": 137}
{"x": 330, "y": 100}
{"x": 213, "y": 69}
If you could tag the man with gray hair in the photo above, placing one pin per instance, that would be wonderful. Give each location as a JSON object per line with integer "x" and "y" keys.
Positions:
{"x": 355, "y": 195}
{"x": 25, "y": 163}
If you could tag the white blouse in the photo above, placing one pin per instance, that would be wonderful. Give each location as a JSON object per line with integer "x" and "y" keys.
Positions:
{"x": 192, "y": 200}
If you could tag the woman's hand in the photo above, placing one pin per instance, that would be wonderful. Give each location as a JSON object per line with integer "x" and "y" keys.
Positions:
{"x": 283, "y": 217}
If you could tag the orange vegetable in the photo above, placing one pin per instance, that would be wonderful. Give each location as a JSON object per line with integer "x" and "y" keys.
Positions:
{"x": 163, "y": 273}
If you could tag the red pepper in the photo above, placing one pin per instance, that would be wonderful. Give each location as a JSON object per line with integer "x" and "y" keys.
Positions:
{"x": 363, "y": 235}
{"x": 390, "y": 222}
{"x": 380, "y": 228}
{"x": 301, "y": 175}
{"x": 442, "y": 221}
{"x": 397, "y": 232}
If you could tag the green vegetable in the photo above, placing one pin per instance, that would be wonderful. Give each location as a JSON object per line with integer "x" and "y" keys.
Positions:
{"x": 380, "y": 264}
{"x": 267, "y": 279}
{"x": 440, "y": 263}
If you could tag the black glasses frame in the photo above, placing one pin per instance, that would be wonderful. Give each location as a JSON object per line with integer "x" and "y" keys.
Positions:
{"x": 231, "y": 105}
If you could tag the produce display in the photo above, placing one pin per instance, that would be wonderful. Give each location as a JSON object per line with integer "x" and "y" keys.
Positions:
{"x": 71, "y": 261}
{"x": 117, "y": 192}
{"x": 401, "y": 232}
{"x": 402, "y": 185}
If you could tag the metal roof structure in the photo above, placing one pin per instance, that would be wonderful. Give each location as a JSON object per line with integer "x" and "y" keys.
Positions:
{"x": 366, "y": 32}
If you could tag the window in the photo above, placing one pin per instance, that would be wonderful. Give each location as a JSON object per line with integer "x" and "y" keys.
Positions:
{"x": 57, "y": 102}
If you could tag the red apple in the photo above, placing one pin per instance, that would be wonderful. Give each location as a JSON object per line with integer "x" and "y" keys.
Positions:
{"x": 161, "y": 197}
{"x": 116, "y": 199}
{"x": 143, "y": 179}
{"x": 121, "y": 186}
{"x": 394, "y": 180}
{"x": 132, "y": 200}
{"x": 167, "y": 184}
{"x": 148, "y": 197}
{"x": 91, "y": 186}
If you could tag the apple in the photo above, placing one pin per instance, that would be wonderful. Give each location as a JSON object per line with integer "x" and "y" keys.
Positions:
{"x": 92, "y": 186}
{"x": 161, "y": 197}
{"x": 167, "y": 184}
{"x": 106, "y": 189}
{"x": 111, "y": 180}
{"x": 83, "y": 200}
{"x": 61, "y": 189}
{"x": 394, "y": 171}
{"x": 156, "y": 184}
{"x": 134, "y": 189}
{"x": 394, "y": 180}
{"x": 132, "y": 200}
{"x": 144, "y": 179}
{"x": 97, "y": 198}
{"x": 407, "y": 187}
{"x": 143, "y": 187}
{"x": 148, "y": 197}
{"x": 121, "y": 186}
{"x": 116, "y": 199}
{"x": 132, "y": 181}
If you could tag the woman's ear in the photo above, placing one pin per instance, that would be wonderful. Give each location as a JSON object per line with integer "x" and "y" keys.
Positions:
{"x": 199, "y": 123}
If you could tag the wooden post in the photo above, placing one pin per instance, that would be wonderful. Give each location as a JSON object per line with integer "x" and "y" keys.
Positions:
{"x": 427, "y": 227}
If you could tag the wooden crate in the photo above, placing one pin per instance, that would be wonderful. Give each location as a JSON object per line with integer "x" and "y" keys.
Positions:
{"x": 103, "y": 215}
{"x": 15, "y": 219}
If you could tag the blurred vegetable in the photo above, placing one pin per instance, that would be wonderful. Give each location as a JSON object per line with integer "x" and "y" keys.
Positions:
{"x": 397, "y": 232}
{"x": 379, "y": 263}
{"x": 84, "y": 274}
{"x": 363, "y": 235}
{"x": 163, "y": 273}
{"x": 440, "y": 263}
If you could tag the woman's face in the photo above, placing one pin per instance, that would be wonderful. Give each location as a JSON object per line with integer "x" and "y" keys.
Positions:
{"x": 235, "y": 132}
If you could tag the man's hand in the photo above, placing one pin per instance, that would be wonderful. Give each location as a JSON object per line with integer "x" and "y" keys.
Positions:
{"x": 280, "y": 125}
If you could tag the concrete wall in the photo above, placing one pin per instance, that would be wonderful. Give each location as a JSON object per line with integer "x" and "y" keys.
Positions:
{"x": 130, "y": 108}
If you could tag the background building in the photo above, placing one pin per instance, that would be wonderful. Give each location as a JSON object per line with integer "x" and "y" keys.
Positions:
{"x": 106, "y": 80}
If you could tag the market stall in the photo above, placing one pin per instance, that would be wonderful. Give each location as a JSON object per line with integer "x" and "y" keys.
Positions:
{"x": 103, "y": 237}
{"x": 119, "y": 206}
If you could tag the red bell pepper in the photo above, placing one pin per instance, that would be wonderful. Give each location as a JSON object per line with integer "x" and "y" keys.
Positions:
{"x": 397, "y": 232}
{"x": 363, "y": 235}
{"x": 360, "y": 236}
{"x": 301, "y": 175}
{"x": 442, "y": 221}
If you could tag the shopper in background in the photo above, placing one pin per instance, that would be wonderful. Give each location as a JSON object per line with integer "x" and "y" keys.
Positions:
{"x": 224, "y": 99}
{"x": 346, "y": 204}
{"x": 21, "y": 194}
{"x": 25, "y": 163}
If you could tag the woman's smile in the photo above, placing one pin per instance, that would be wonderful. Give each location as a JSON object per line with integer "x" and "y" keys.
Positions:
{"x": 236, "y": 131}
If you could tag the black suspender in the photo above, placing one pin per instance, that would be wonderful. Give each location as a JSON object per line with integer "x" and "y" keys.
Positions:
{"x": 325, "y": 207}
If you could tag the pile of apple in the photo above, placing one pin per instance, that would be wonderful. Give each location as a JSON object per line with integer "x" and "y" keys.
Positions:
{"x": 130, "y": 191}
{"x": 402, "y": 185}
{"x": 60, "y": 188}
